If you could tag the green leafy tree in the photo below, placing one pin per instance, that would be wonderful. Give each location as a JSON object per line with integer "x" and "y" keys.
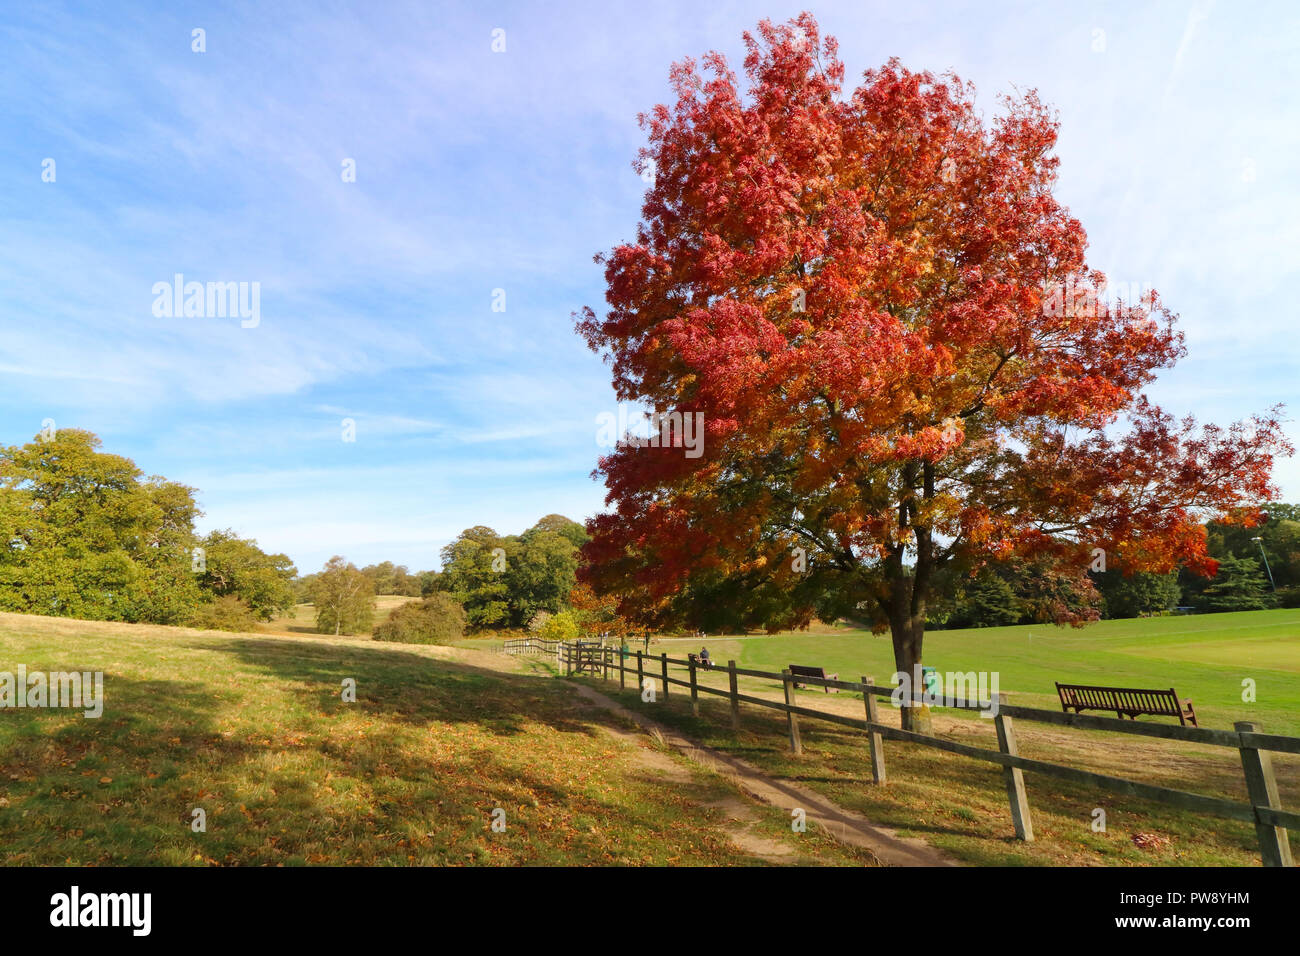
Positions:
{"x": 541, "y": 570}
{"x": 406, "y": 583}
{"x": 505, "y": 580}
{"x": 1279, "y": 540}
{"x": 427, "y": 583}
{"x": 383, "y": 577}
{"x": 1131, "y": 595}
{"x": 392, "y": 578}
{"x": 567, "y": 528}
{"x": 224, "y": 613}
{"x": 86, "y": 535}
{"x": 344, "y": 598}
{"x": 235, "y": 566}
{"x": 474, "y": 573}
{"x": 302, "y": 588}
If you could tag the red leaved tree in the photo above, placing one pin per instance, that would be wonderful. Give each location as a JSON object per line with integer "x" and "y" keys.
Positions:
{"x": 903, "y": 362}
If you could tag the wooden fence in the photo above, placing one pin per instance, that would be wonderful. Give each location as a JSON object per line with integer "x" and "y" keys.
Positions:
{"x": 1255, "y": 747}
{"x": 531, "y": 645}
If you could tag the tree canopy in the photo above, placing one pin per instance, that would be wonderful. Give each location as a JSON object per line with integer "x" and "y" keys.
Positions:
{"x": 344, "y": 598}
{"x": 237, "y": 567}
{"x": 504, "y": 580}
{"x": 904, "y": 362}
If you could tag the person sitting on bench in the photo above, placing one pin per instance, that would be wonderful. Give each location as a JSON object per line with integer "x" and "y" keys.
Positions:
{"x": 704, "y": 658}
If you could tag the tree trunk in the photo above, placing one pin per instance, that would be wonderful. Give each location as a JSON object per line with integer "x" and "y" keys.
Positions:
{"x": 908, "y": 591}
{"x": 908, "y": 633}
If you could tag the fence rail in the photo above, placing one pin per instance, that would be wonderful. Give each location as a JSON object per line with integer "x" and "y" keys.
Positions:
{"x": 1264, "y": 808}
{"x": 531, "y": 645}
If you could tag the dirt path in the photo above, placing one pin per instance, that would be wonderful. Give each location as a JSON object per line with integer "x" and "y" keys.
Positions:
{"x": 846, "y": 826}
{"x": 739, "y": 814}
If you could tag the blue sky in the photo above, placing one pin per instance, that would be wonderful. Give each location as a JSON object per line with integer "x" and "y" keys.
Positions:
{"x": 478, "y": 171}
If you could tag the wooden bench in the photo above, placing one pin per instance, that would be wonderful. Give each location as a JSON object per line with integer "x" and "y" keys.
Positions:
{"x": 1130, "y": 701}
{"x": 798, "y": 670}
{"x": 698, "y": 661}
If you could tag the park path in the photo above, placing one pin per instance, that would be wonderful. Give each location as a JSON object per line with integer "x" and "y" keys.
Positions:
{"x": 845, "y": 825}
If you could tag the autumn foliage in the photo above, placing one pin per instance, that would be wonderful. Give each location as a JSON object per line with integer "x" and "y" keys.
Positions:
{"x": 904, "y": 361}
{"x": 598, "y": 614}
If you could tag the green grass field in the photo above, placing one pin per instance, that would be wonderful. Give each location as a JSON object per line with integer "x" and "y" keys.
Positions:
{"x": 959, "y": 804}
{"x": 252, "y": 729}
{"x": 1204, "y": 657}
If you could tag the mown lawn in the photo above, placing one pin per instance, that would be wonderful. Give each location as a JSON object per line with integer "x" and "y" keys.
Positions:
{"x": 1203, "y": 656}
{"x": 253, "y": 730}
{"x": 959, "y": 804}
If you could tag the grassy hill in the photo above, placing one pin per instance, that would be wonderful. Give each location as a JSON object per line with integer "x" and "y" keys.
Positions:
{"x": 252, "y": 729}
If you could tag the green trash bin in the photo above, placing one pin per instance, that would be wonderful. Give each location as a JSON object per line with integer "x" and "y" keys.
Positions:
{"x": 930, "y": 681}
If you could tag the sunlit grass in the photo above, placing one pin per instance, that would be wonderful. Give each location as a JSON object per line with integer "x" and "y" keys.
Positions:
{"x": 253, "y": 730}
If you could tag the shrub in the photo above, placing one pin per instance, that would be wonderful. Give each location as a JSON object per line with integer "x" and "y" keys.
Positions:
{"x": 437, "y": 619}
{"x": 224, "y": 613}
{"x": 560, "y": 627}
{"x": 1289, "y": 596}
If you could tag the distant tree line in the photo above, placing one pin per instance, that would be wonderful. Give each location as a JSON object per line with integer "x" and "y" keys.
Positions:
{"x": 385, "y": 578}
{"x": 488, "y": 581}
{"x": 86, "y": 534}
{"x": 1014, "y": 593}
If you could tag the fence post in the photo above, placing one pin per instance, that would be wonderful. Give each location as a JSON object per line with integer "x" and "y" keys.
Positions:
{"x": 796, "y": 744}
{"x": 664, "y": 657}
{"x": 568, "y": 659}
{"x": 695, "y": 694}
{"x": 1014, "y": 778}
{"x": 640, "y": 674}
{"x": 622, "y": 670}
{"x": 1274, "y": 847}
{"x": 604, "y": 661}
{"x": 735, "y": 700}
{"x": 874, "y": 740}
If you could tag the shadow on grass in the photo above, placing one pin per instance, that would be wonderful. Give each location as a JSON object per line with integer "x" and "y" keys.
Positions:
{"x": 414, "y": 689}
{"x": 407, "y": 773}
